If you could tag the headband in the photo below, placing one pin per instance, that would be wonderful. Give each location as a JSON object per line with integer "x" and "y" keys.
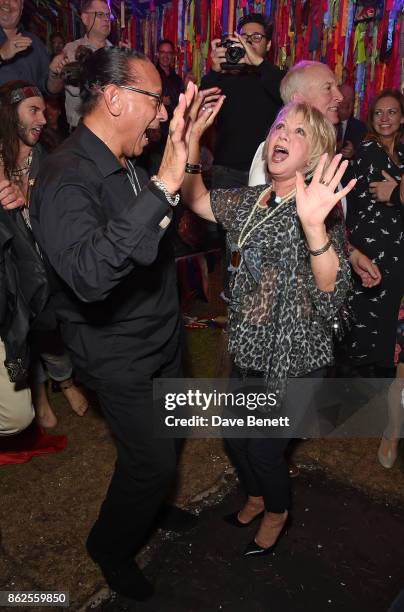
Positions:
{"x": 22, "y": 93}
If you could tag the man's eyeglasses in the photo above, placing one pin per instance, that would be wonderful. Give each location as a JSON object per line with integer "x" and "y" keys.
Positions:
{"x": 100, "y": 14}
{"x": 254, "y": 37}
{"x": 158, "y": 97}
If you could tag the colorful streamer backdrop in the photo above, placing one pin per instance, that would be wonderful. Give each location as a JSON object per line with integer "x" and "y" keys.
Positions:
{"x": 364, "y": 48}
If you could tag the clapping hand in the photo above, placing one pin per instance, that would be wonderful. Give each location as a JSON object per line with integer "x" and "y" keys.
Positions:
{"x": 193, "y": 114}
{"x": 315, "y": 201}
{"x": 172, "y": 167}
{"x": 203, "y": 111}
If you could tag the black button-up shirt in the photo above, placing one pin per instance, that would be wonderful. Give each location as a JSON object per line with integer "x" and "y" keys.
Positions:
{"x": 252, "y": 103}
{"x": 113, "y": 260}
{"x": 31, "y": 65}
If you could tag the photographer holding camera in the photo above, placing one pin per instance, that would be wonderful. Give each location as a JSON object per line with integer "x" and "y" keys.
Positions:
{"x": 251, "y": 86}
{"x": 96, "y": 17}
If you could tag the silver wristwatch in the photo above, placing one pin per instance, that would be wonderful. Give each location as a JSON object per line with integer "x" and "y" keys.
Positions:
{"x": 171, "y": 199}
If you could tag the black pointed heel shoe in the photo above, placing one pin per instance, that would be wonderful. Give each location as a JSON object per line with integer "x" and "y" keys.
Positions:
{"x": 255, "y": 550}
{"x": 232, "y": 519}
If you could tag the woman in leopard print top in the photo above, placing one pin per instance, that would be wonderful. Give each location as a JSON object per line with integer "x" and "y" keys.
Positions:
{"x": 291, "y": 279}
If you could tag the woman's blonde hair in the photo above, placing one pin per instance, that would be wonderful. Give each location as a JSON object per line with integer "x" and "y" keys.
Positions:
{"x": 321, "y": 132}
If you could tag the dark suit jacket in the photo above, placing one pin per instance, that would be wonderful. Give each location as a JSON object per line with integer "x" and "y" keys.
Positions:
{"x": 355, "y": 132}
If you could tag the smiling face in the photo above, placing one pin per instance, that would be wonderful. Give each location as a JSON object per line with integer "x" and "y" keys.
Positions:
{"x": 140, "y": 112}
{"x": 387, "y": 117}
{"x": 10, "y": 13}
{"x": 31, "y": 120}
{"x": 165, "y": 55}
{"x": 320, "y": 90}
{"x": 288, "y": 146}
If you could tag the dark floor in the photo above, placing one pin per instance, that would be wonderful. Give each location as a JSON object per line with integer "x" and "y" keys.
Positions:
{"x": 343, "y": 553}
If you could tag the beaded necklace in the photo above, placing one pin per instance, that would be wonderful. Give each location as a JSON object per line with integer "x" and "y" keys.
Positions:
{"x": 19, "y": 173}
{"x": 244, "y": 234}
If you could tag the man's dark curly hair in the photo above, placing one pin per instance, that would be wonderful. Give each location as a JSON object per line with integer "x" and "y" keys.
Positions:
{"x": 257, "y": 18}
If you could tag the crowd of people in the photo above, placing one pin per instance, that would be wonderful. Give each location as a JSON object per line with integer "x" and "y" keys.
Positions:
{"x": 97, "y": 146}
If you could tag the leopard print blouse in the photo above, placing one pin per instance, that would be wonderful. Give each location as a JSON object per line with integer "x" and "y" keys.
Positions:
{"x": 280, "y": 323}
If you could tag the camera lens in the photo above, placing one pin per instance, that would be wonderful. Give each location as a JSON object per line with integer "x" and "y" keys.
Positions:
{"x": 234, "y": 54}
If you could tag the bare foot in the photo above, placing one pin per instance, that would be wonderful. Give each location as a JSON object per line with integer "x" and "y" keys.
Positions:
{"x": 44, "y": 415}
{"x": 78, "y": 402}
{"x": 270, "y": 527}
{"x": 252, "y": 507}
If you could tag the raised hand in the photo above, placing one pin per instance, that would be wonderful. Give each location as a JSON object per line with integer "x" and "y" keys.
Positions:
{"x": 203, "y": 112}
{"x": 172, "y": 167}
{"x": 11, "y": 195}
{"x": 315, "y": 201}
{"x": 13, "y": 45}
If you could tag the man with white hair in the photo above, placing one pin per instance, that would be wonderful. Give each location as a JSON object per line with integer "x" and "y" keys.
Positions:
{"x": 315, "y": 84}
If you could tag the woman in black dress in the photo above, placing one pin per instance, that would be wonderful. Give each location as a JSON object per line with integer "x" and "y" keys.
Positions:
{"x": 376, "y": 229}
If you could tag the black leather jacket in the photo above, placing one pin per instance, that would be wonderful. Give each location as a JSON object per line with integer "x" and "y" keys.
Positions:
{"x": 23, "y": 290}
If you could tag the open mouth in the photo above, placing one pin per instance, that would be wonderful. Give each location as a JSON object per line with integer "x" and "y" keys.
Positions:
{"x": 36, "y": 132}
{"x": 147, "y": 136}
{"x": 279, "y": 154}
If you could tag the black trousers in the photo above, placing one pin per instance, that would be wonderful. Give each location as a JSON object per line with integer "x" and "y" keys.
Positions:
{"x": 145, "y": 466}
{"x": 262, "y": 469}
{"x": 261, "y": 464}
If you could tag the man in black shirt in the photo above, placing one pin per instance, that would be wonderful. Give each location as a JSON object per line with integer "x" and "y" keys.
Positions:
{"x": 102, "y": 225}
{"x": 252, "y": 101}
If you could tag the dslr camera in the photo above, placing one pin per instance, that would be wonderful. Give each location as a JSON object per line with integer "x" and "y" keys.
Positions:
{"x": 234, "y": 53}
